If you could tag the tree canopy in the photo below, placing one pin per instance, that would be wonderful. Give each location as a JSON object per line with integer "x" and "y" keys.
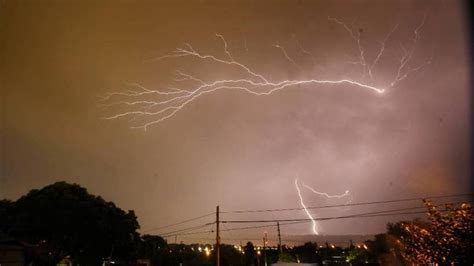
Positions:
{"x": 447, "y": 237}
{"x": 65, "y": 220}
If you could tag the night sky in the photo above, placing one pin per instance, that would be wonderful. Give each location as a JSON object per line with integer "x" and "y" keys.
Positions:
{"x": 231, "y": 148}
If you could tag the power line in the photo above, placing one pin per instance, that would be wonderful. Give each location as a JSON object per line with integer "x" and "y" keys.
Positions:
{"x": 316, "y": 219}
{"x": 294, "y": 209}
{"x": 264, "y": 226}
{"x": 256, "y": 240}
{"x": 230, "y": 229}
{"x": 179, "y": 223}
{"x": 185, "y": 230}
{"x": 296, "y": 221}
{"x": 194, "y": 233}
{"x": 391, "y": 212}
{"x": 367, "y": 214}
{"x": 350, "y": 204}
{"x": 299, "y": 221}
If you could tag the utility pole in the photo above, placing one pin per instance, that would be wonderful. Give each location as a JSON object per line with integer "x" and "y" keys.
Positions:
{"x": 218, "y": 239}
{"x": 279, "y": 237}
{"x": 265, "y": 248}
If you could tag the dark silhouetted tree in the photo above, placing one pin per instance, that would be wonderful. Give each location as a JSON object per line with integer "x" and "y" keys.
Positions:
{"x": 153, "y": 248}
{"x": 250, "y": 255}
{"x": 6, "y": 217}
{"x": 230, "y": 255}
{"x": 307, "y": 253}
{"x": 66, "y": 220}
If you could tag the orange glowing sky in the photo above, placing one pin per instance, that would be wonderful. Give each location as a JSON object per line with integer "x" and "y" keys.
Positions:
{"x": 231, "y": 148}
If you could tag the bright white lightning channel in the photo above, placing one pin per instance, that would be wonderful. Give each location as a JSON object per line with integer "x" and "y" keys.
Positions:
{"x": 153, "y": 106}
{"x": 310, "y": 216}
{"x": 314, "y": 225}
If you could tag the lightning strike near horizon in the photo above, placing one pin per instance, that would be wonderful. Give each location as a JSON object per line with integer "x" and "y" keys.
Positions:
{"x": 313, "y": 222}
{"x": 324, "y": 194}
{"x": 153, "y": 106}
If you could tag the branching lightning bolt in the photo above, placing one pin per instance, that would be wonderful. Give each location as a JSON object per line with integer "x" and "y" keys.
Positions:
{"x": 324, "y": 194}
{"x": 403, "y": 69}
{"x": 313, "y": 222}
{"x": 345, "y": 194}
{"x": 283, "y": 50}
{"x": 157, "y": 105}
{"x": 304, "y": 51}
{"x": 355, "y": 35}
